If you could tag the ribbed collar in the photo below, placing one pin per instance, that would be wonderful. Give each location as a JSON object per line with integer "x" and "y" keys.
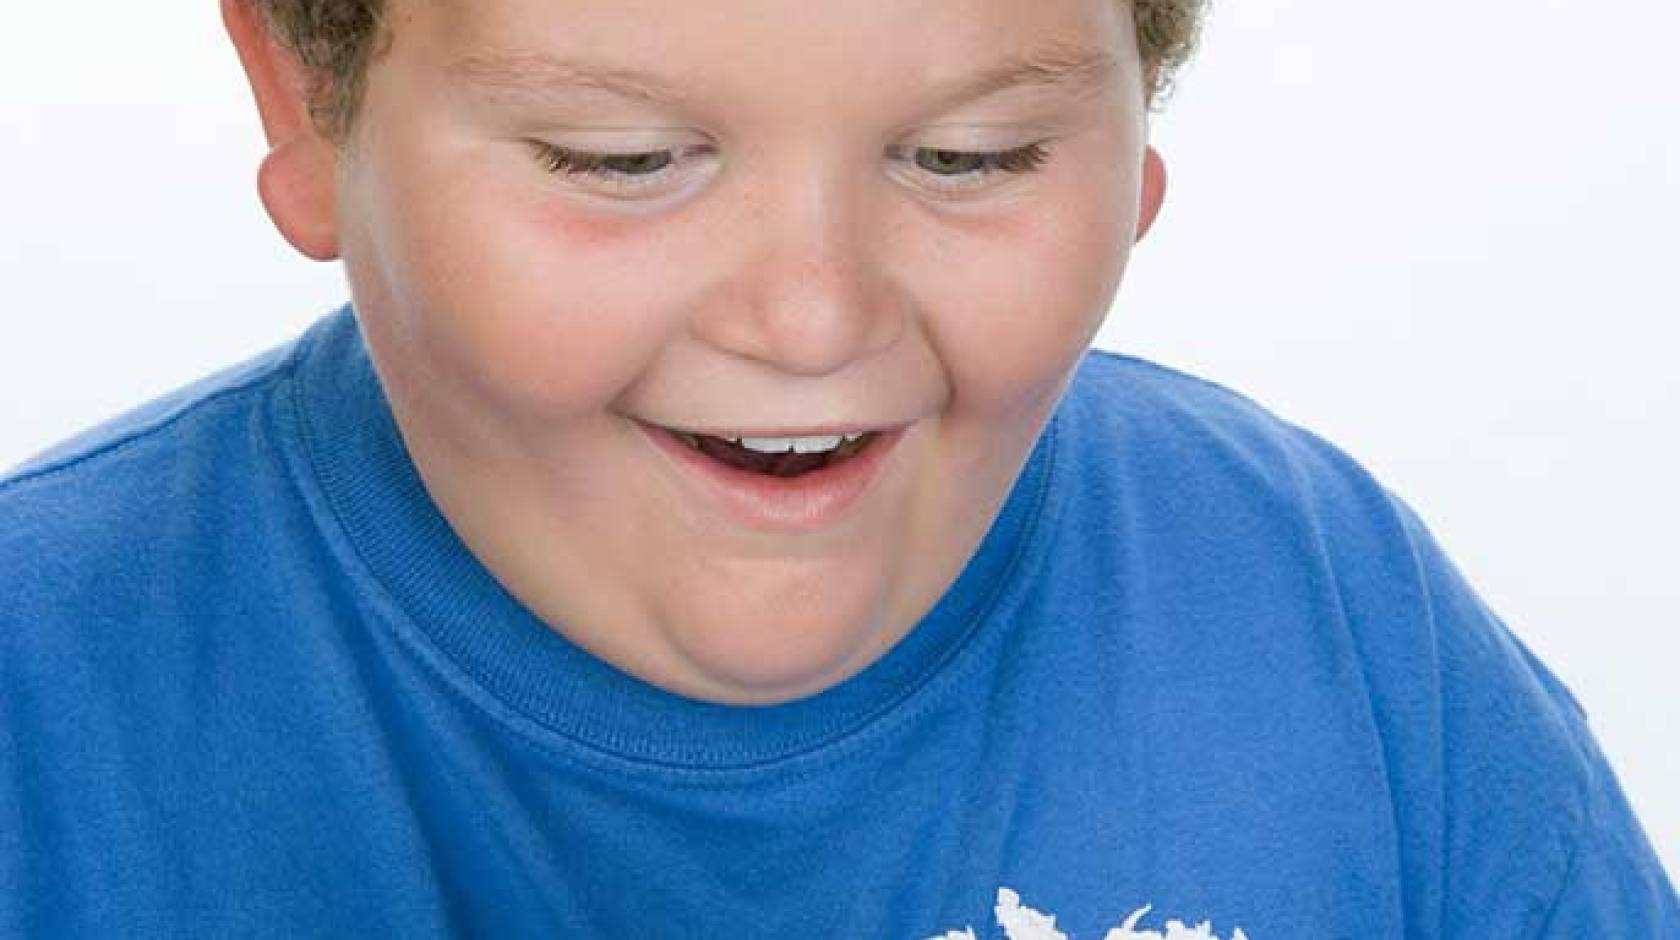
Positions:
{"x": 377, "y": 497}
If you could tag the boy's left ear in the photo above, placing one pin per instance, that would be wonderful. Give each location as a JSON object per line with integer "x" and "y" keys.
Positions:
{"x": 298, "y": 179}
{"x": 1154, "y": 191}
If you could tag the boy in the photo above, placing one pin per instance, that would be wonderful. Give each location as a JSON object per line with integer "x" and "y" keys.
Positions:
{"x": 708, "y": 522}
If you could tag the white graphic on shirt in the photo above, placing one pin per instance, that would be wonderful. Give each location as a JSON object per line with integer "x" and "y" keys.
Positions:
{"x": 1020, "y": 922}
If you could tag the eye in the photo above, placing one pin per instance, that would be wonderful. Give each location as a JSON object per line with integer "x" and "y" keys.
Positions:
{"x": 962, "y": 170}
{"x": 629, "y": 173}
{"x": 620, "y": 172}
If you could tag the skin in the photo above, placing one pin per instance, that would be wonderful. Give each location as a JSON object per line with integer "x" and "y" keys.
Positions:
{"x": 798, "y": 266}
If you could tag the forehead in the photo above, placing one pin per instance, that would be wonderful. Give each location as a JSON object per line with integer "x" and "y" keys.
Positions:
{"x": 824, "y": 52}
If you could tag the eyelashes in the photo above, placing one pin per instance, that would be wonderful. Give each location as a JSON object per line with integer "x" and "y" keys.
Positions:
{"x": 1020, "y": 160}
{"x": 954, "y": 170}
{"x": 578, "y": 162}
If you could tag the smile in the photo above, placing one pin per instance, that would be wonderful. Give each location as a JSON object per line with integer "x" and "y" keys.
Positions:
{"x": 785, "y": 484}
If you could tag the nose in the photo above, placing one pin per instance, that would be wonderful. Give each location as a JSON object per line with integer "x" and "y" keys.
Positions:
{"x": 809, "y": 292}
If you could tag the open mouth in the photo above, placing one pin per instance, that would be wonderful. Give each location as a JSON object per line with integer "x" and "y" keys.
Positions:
{"x": 795, "y": 485}
{"x": 778, "y": 457}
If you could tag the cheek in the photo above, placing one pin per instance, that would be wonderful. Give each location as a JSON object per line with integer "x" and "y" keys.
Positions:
{"x": 1025, "y": 295}
{"x": 542, "y": 306}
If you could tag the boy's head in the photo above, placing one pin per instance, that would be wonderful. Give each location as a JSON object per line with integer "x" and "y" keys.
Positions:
{"x": 573, "y": 226}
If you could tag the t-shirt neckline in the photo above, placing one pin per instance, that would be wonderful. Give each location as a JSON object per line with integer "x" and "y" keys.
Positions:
{"x": 407, "y": 546}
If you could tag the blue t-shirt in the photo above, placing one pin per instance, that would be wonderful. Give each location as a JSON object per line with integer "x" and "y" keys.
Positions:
{"x": 252, "y": 684}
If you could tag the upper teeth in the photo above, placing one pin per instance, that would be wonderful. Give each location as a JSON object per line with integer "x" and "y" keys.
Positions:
{"x": 799, "y": 445}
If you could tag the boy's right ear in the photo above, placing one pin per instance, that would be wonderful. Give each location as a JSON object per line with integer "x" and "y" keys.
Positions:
{"x": 298, "y": 179}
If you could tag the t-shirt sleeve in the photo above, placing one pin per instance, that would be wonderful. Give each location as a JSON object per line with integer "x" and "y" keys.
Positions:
{"x": 1614, "y": 886}
{"x": 1538, "y": 837}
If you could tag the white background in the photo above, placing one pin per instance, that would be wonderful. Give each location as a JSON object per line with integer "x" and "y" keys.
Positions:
{"x": 1445, "y": 234}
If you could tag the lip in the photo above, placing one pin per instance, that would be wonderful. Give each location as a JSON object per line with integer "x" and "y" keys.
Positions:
{"x": 798, "y": 505}
{"x": 823, "y": 431}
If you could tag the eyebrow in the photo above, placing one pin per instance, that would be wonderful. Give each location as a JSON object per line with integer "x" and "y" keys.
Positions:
{"x": 537, "y": 75}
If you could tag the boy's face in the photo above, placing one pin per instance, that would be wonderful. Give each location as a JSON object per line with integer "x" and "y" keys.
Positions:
{"x": 799, "y": 252}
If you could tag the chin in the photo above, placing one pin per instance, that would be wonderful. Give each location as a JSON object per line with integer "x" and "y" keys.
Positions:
{"x": 769, "y": 657}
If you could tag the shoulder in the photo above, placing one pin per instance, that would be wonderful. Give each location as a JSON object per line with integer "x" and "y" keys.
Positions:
{"x": 1178, "y": 440}
{"x": 1499, "y": 788}
{"x": 155, "y": 420}
{"x": 1261, "y": 530}
{"x": 89, "y": 514}
{"x": 1191, "y": 453}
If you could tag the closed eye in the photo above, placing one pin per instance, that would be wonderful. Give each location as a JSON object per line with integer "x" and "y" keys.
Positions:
{"x": 621, "y": 173}
{"x": 957, "y": 170}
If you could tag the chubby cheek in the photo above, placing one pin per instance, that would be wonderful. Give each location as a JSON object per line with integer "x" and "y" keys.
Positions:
{"x": 1023, "y": 294}
{"x": 545, "y": 311}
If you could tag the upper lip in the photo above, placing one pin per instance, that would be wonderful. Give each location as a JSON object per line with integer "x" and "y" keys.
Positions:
{"x": 823, "y": 430}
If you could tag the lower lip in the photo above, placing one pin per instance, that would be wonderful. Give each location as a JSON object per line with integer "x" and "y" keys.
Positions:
{"x": 789, "y": 505}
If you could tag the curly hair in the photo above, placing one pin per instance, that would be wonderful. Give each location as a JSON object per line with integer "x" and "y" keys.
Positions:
{"x": 337, "y": 41}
